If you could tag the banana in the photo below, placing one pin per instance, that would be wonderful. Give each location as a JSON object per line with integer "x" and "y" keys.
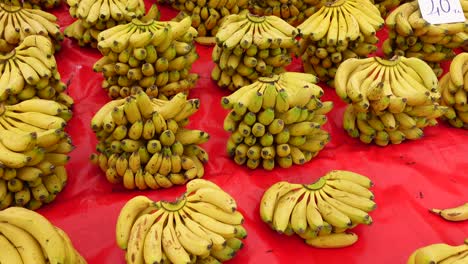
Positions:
{"x": 10, "y": 253}
{"x": 459, "y": 213}
{"x": 350, "y": 176}
{"x": 331, "y": 214}
{"x": 356, "y": 215}
{"x": 40, "y": 228}
{"x": 218, "y": 241}
{"x": 437, "y": 252}
{"x": 458, "y": 69}
{"x": 214, "y": 196}
{"x": 351, "y": 199}
{"x": 152, "y": 247}
{"x": 350, "y": 187}
{"x": 194, "y": 244}
{"x": 211, "y": 224}
{"x": 284, "y": 209}
{"x": 127, "y": 217}
{"x": 337, "y": 240}
{"x": 215, "y": 212}
{"x": 140, "y": 229}
{"x": 172, "y": 247}
{"x": 299, "y": 215}
{"x": 271, "y": 197}
{"x": 197, "y": 184}
{"x": 28, "y": 248}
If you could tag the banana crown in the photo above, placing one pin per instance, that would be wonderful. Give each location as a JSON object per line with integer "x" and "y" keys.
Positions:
{"x": 203, "y": 224}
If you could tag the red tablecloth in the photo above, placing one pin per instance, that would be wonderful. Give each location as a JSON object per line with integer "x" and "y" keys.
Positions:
{"x": 409, "y": 178}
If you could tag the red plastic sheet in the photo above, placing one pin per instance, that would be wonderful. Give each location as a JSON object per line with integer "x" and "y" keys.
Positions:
{"x": 409, "y": 178}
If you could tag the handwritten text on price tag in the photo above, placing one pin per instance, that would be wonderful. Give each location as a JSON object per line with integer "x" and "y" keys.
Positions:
{"x": 441, "y": 11}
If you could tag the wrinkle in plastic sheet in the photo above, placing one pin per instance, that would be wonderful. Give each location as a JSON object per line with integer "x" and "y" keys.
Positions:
{"x": 409, "y": 178}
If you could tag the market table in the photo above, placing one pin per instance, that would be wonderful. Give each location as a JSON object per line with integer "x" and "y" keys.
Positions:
{"x": 409, "y": 178}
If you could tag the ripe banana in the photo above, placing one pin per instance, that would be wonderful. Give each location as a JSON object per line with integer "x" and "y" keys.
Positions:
{"x": 459, "y": 213}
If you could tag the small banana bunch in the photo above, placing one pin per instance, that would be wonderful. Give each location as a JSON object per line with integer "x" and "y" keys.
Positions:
{"x": 30, "y": 70}
{"x": 440, "y": 253}
{"x": 201, "y": 226}
{"x": 250, "y": 46}
{"x": 19, "y": 22}
{"x": 412, "y": 36}
{"x": 385, "y": 6}
{"x": 206, "y": 15}
{"x": 389, "y": 100}
{"x": 293, "y": 12}
{"x": 36, "y": 4}
{"x": 454, "y": 88}
{"x": 143, "y": 142}
{"x": 28, "y": 237}
{"x": 339, "y": 30}
{"x": 459, "y": 213}
{"x": 276, "y": 120}
{"x": 148, "y": 55}
{"x": 94, "y": 16}
{"x": 321, "y": 212}
{"x": 33, "y": 151}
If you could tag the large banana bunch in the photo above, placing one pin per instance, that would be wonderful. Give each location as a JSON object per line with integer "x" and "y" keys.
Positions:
{"x": 29, "y": 71}
{"x": 147, "y": 55}
{"x": 412, "y": 36}
{"x": 276, "y": 120}
{"x": 96, "y": 16}
{"x": 201, "y": 226}
{"x": 33, "y": 151}
{"x": 454, "y": 88}
{"x": 28, "y": 237}
{"x": 440, "y": 253}
{"x": 389, "y": 100}
{"x": 293, "y": 12}
{"x": 321, "y": 212}
{"x": 250, "y": 46}
{"x": 339, "y": 30}
{"x": 206, "y": 15}
{"x": 19, "y": 22}
{"x": 143, "y": 142}
{"x": 36, "y": 4}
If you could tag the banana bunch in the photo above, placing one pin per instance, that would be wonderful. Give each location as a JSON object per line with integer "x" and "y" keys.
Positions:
{"x": 143, "y": 142}
{"x": 94, "y": 16}
{"x": 19, "y": 22}
{"x": 440, "y": 253}
{"x": 454, "y": 88}
{"x": 389, "y": 100}
{"x": 147, "y": 55}
{"x": 385, "y": 6}
{"x": 33, "y": 152}
{"x": 28, "y": 237}
{"x": 36, "y": 4}
{"x": 30, "y": 71}
{"x": 293, "y": 12}
{"x": 276, "y": 120}
{"x": 201, "y": 226}
{"x": 339, "y": 30}
{"x": 459, "y": 213}
{"x": 321, "y": 213}
{"x": 412, "y": 36}
{"x": 206, "y": 15}
{"x": 250, "y": 46}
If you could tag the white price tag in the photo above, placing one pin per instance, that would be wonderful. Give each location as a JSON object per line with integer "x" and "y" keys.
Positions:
{"x": 441, "y": 11}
